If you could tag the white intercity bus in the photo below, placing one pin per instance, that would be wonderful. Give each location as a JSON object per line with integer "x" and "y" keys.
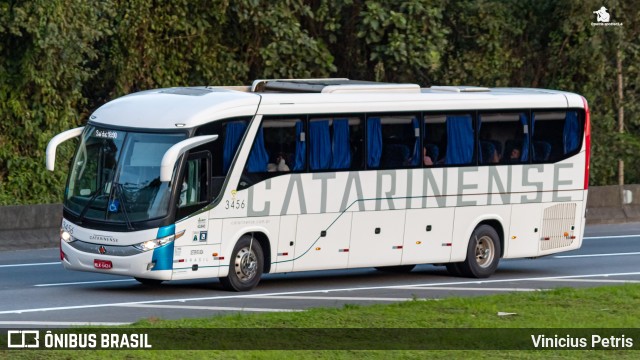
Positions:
{"x": 312, "y": 174}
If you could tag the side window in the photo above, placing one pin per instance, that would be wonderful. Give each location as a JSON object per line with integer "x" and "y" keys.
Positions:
{"x": 393, "y": 141}
{"x": 279, "y": 147}
{"x": 335, "y": 143}
{"x": 195, "y": 181}
{"x": 503, "y": 138}
{"x": 555, "y": 135}
{"x": 230, "y": 133}
{"x": 449, "y": 139}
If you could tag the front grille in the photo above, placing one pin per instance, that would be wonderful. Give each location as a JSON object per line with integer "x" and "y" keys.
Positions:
{"x": 110, "y": 250}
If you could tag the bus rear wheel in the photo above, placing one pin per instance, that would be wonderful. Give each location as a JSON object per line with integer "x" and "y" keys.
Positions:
{"x": 483, "y": 254}
{"x": 246, "y": 266}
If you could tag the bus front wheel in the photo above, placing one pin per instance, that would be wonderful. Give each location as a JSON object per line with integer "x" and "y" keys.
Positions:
{"x": 483, "y": 254}
{"x": 245, "y": 268}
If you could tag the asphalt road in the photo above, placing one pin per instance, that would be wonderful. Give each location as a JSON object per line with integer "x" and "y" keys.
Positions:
{"x": 35, "y": 290}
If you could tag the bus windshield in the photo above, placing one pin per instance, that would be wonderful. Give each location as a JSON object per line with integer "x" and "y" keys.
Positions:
{"x": 115, "y": 176}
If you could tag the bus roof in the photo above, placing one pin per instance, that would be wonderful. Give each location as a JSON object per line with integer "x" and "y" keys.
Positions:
{"x": 188, "y": 107}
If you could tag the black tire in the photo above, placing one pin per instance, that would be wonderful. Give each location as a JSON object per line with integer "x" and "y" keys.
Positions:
{"x": 396, "y": 269}
{"x": 148, "y": 282}
{"x": 483, "y": 253}
{"x": 246, "y": 266}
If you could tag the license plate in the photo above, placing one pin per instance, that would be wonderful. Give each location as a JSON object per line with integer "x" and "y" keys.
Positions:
{"x": 102, "y": 264}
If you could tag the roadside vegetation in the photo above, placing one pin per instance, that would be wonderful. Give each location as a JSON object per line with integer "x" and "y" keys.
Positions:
{"x": 61, "y": 59}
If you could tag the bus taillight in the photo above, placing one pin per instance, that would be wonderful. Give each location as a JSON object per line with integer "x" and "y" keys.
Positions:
{"x": 587, "y": 137}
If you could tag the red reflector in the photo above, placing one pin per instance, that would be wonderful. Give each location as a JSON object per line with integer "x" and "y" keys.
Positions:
{"x": 62, "y": 255}
{"x": 221, "y": 258}
{"x": 398, "y": 247}
{"x": 573, "y": 237}
{"x": 546, "y": 238}
{"x": 181, "y": 260}
{"x": 587, "y": 139}
{"x": 446, "y": 244}
{"x": 343, "y": 250}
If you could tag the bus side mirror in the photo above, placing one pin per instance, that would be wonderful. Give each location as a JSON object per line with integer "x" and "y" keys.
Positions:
{"x": 57, "y": 140}
{"x": 171, "y": 156}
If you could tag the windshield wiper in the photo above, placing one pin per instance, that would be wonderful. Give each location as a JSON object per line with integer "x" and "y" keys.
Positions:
{"x": 120, "y": 194}
{"x": 86, "y": 207}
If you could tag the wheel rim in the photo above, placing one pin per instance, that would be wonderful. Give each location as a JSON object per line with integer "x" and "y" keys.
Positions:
{"x": 485, "y": 251}
{"x": 246, "y": 264}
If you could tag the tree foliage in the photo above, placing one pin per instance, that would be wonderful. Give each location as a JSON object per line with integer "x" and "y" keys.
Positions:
{"x": 61, "y": 59}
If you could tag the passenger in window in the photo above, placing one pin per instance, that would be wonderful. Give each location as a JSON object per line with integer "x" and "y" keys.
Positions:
{"x": 495, "y": 157}
{"x": 426, "y": 159}
{"x": 514, "y": 157}
{"x": 280, "y": 165}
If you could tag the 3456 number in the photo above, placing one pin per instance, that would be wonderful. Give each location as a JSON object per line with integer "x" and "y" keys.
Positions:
{"x": 234, "y": 204}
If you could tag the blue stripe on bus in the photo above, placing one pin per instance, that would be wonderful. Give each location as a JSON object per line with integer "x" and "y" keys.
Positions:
{"x": 163, "y": 257}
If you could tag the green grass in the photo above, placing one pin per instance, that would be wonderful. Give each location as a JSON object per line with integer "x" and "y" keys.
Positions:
{"x": 593, "y": 309}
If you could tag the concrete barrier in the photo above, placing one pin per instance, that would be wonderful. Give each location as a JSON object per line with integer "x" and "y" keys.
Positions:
{"x": 613, "y": 204}
{"x": 30, "y": 226}
{"x": 38, "y": 226}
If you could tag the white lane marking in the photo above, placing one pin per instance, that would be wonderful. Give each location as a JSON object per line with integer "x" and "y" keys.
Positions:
{"x": 215, "y": 308}
{"x": 62, "y": 323}
{"x": 594, "y": 255}
{"x": 338, "y": 298}
{"x": 467, "y": 288}
{"x": 597, "y": 281}
{"x": 611, "y": 237}
{"x": 31, "y": 264}
{"x": 84, "y": 282}
{"x": 322, "y": 291}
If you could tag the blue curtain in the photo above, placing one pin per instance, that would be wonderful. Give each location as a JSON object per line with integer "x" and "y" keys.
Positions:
{"x": 258, "y": 158}
{"x": 233, "y": 135}
{"x": 459, "y": 140}
{"x": 301, "y": 147}
{"x": 570, "y": 135}
{"x": 374, "y": 142}
{"x": 341, "y": 146}
{"x": 416, "y": 155}
{"x": 479, "y": 150}
{"x": 319, "y": 145}
{"x": 524, "y": 152}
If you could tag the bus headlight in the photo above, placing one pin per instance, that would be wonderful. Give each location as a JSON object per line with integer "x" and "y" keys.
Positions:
{"x": 66, "y": 236}
{"x": 152, "y": 244}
